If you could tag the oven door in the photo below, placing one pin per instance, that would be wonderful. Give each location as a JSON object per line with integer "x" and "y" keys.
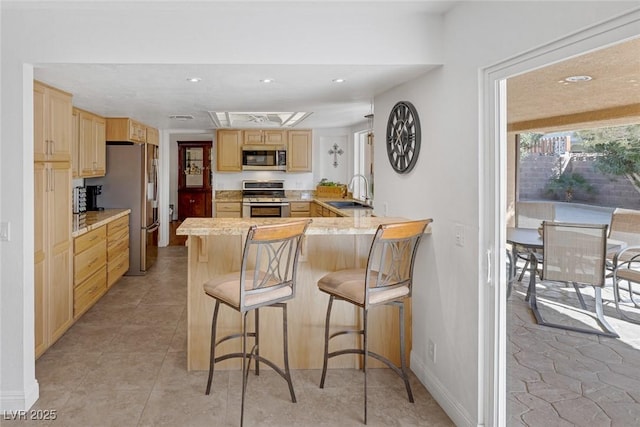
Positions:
{"x": 265, "y": 210}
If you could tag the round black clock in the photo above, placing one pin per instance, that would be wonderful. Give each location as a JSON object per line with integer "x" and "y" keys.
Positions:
{"x": 403, "y": 137}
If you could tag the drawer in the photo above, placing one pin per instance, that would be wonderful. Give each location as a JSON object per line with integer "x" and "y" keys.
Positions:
{"x": 299, "y": 206}
{"x": 117, "y": 267}
{"x": 89, "y": 291}
{"x": 89, "y": 261}
{"x": 122, "y": 234}
{"x": 300, "y": 214}
{"x": 228, "y": 207}
{"x": 82, "y": 243}
{"x": 118, "y": 225}
{"x": 116, "y": 247}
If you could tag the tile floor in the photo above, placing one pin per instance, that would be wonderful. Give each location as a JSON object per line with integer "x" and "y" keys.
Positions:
{"x": 561, "y": 378}
{"x": 124, "y": 364}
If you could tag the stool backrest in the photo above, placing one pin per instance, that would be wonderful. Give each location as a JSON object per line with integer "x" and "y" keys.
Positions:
{"x": 574, "y": 252}
{"x": 392, "y": 257}
{"x": 270, "y": 262}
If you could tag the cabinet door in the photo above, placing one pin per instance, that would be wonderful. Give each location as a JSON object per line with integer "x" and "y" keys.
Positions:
{"x": 40, "y": 179}
{"x": 75, "y": 144}
{"x": 39, "y": 121}
{"x": 275, "y": 137}
{"x": 59, "y": 117}
{"x": 228, "y": 150}
{"x": 191, "y": 205}
{"x": 86, "y": 144}
{"x": 299, "y": 151}
{"x": 100, "y": 146}
{"x": 252, "y": 137}
{"x": 59, "y": 289}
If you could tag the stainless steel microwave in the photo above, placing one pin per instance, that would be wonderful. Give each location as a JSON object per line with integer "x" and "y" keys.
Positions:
{"x": 264, "y": 159}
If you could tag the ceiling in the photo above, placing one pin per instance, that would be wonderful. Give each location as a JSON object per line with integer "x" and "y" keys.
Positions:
{"x": 542, "y": 100}
{"x": 538, "y": 100}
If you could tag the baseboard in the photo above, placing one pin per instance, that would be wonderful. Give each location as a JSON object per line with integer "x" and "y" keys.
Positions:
{"x": 439, "y": 392}
{"x": 19, "y": 400}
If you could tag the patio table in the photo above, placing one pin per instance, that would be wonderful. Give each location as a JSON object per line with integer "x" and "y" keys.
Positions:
{"x": 530, "y": 239}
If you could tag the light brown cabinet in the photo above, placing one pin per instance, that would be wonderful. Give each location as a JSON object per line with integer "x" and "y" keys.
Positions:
{"x": 228, "y": 209}
{"x": 228, "y": 150}
{"x": 123, "y": 129}
{"x": 300, "y": 209}
{"x": 117, "y": 249}
{"x": 264, "y": 136}
{"x": 91, "y": 140}
{"x": 52, "y": 133}
{"x": 53, "y": 252}
{"x": 153, "y": 136}
{"x": 89, "y": 269}
{"x": 299, "y": 151}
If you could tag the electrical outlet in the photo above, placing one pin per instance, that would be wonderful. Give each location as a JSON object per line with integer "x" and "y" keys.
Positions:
{"x": 4, "y": 231}
{"x": 432, "y": 351}
{"x": 459, "y": 233}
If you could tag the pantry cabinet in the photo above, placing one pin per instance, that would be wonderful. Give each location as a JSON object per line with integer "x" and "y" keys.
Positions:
{"x": 53, "y": 252}
{"x": 52, "y": 124}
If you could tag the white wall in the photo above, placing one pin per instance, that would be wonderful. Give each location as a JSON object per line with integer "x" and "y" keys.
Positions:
{"x": 444, "y": 185}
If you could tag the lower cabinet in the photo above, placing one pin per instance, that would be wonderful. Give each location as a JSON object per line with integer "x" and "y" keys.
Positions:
{"x": 117, "y": 249}
{"x": 228, "y": 210}
{"x": 300, "y": 209}
{"x": 194, "y": 204}
{"x": 89, "y": 269}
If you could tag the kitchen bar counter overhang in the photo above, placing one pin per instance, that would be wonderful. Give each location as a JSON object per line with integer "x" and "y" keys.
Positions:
{"x": 215, "y": 247}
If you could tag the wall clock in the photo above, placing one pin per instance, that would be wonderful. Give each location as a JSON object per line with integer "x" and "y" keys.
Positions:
{"x": 403, "y": 137}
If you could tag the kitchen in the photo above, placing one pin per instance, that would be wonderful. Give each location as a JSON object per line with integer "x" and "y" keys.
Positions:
{"x": 447, "y": 96}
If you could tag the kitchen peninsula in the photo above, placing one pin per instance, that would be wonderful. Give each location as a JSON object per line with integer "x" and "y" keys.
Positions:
{"x": 215, "y": 247}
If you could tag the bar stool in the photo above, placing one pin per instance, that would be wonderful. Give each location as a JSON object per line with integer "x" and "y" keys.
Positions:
{"x": 267, "y": 278}
{"x": 387, "y": 279}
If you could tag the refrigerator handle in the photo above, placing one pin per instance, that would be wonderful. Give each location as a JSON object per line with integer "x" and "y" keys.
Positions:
{"x": 153, "y": 227}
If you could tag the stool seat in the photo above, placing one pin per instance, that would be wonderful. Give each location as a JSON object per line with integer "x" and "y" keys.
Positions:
{"x": 227, "y": 289}
{"x": 349, "y": 285}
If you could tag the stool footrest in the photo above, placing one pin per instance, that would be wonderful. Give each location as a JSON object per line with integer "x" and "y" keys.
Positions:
{"x": 350, "y": 331}
{"x": 376, "y": 356}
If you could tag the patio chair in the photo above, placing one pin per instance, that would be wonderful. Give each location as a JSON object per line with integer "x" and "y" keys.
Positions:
{"x": 630, "y": 272}
{"x": 576, "y": 254}
{"x": 625, "y": 226}
{"x": 531, "y": 215}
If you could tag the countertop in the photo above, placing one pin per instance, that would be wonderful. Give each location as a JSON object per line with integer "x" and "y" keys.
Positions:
{"x": 355, "y": 213}
{"x": 318, "y": 226}
{"x": 85, "y": 222}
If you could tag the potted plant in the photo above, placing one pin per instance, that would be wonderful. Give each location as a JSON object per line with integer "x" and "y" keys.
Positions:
{"x": 565, "y": 185}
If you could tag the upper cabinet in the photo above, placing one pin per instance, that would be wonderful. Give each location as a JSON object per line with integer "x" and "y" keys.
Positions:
{"x": 91, "y": 144}
{"x": 229, "y": 156}
{"x": 153, "y": 136}
{"x": 299, "y": 151}
{"x": 124, "y": 129}
{"x": 264, "y": 136}
{"x": 52, "y": 124}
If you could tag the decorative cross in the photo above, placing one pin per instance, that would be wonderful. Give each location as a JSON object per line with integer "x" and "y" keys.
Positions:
{"x": 335, "y": 151}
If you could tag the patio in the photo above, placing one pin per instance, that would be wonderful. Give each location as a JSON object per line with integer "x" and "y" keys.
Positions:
{"x": 563, "y": 378}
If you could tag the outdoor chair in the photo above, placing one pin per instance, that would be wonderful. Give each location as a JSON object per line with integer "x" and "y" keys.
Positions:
{"x": 531, "y": 215}
{"x": 628, "y": 271}
{"x": 267, "y": 278}
{"x": 576, "y": 254}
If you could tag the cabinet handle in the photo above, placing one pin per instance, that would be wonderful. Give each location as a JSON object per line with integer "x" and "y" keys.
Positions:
{"x": 48, "y": 184}
{"x": 53, "y": 146}
{"x": 53, "y": 181}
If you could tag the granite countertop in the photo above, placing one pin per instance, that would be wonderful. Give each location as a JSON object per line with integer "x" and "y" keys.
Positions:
{"x": 85, "y": 222}
{"x": 355, "y": 213}
{"x": 318, "y": 226}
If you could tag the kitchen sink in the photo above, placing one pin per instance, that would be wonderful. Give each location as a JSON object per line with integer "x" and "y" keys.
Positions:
{"x": 349, "y": 204}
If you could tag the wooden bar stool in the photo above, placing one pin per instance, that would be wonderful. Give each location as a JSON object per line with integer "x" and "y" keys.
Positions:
{"x": 267, "y": 278}
{"x": 387, "y": 279}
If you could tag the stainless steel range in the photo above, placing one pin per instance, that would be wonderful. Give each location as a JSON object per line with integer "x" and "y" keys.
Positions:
{"x": 264, "y": 199}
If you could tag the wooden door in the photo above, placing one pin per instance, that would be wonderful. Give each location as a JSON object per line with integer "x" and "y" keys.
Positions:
{"x": 40, "y": 180}
{"x": 228, "y": 143}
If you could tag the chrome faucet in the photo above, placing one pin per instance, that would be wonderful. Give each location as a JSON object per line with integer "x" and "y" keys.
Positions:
{"x": 367, "y": 200}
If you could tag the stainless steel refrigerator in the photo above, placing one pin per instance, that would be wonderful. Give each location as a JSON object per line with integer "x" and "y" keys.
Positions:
{"x": 132, "y": 182}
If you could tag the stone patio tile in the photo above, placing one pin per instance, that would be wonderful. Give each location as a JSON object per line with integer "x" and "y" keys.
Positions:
{"x": 619, "y": 380}
{"x": 601, "y": 393}
{"x": 537, "y": 362}
{"x": 545, "y": 417}
{"x": 562, "y": 381}
{"x": 551, "y": 393}
{"x": 622, "y": 414}
{"x": 582, "y": 412}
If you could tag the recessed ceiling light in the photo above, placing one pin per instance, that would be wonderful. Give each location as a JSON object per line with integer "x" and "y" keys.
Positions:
{"x": 194, "y": 79}
{"x": 338, "y": 80}
{"x": 266, "y": 81}
{"x": 577, "y": 79}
